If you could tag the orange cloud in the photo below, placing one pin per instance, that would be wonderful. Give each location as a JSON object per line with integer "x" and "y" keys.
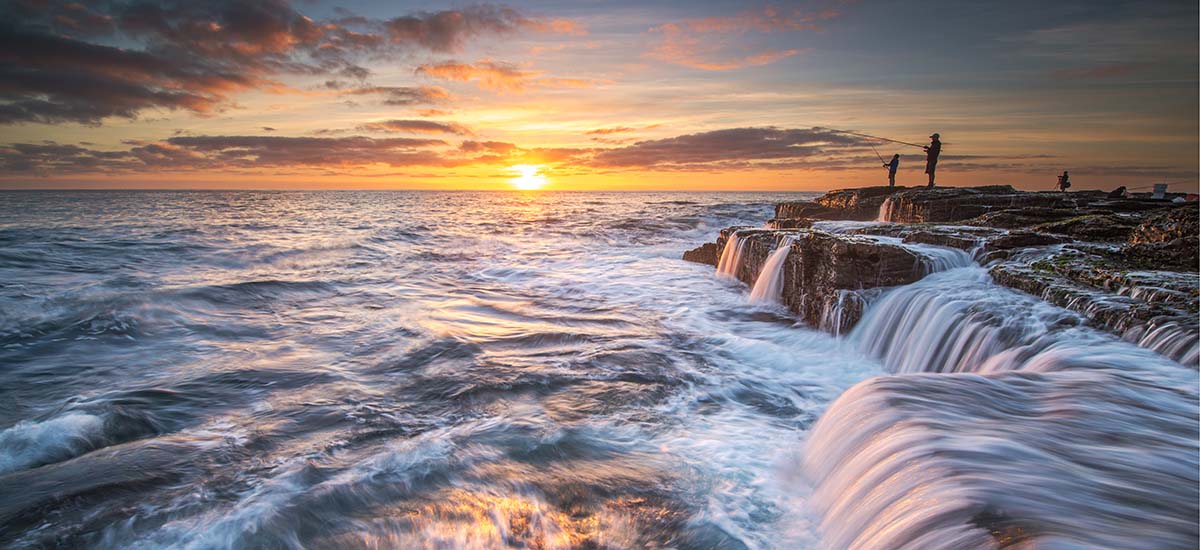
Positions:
{"x": 499, "y": 76}
{"x": 711, "y": 43}
{"x": 417, "y": 126}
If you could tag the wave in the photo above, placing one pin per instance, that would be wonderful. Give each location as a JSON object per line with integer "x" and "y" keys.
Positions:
{"x": 30, "y": 444}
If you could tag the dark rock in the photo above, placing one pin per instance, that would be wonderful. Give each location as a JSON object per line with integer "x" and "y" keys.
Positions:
{"x": 789, "y": 223}
{"x": 806, "y": 209}
{"x": 860, "y": 204}
{"x": 823, "y": 268}
{"x": 943, "y": 238}
{"x": 825, "y": 275}
{"x": 1018, "y": 218}
{"x": 985, "y": 205}
{"x": 1179, "y": 222}
{"x": 1181, "y": 254}
{"x": 951, "y": 236}
{"x": 1021, "y": 239}
{"x": 1094, "y": 227}
{"x": 703, "y": 254}
{"x": 1102, "y": 285}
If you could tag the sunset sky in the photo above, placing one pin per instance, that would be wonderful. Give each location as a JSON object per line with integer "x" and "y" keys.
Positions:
{"x": 594, "y": 95}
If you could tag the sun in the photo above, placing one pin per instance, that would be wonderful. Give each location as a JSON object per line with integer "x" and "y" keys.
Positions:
{"x": 529, "y": 178}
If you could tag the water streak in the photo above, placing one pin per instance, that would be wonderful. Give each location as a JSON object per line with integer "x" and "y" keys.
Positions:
{"x": 1008, "y": 423}
{"x": 1081, "y": 459}
{"x": 731, "y": 256}
{"x": 768, "y": 287}
{"x": 885, "y": 211}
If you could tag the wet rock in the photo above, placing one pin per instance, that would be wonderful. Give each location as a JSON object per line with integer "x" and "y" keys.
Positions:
{"x": 1176, "y": 223}
{"x": 1182, "y": 254}
{"x": 950, "y": 236}
{"x": 703, "y": 254}
{"x": 1167, "y": 240}
{"x": 789, "y": 223}
{"x": 1021, "y": 239}
{"x": 943, "y": 238}
{"x": 858, "y": 204}
{"x": 1100, "y": 283}
{"x": 824, "y": 269}
{"x": 1094, "y": 227}
{"x": 826, "y": 276}
{"x": 806, "y": 209}
{"x": 1019, "y": 218}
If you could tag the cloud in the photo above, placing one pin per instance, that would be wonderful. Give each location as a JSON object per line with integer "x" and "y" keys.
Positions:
{"x": 417, "y": 126}
{"x": 405, "y": 95}
{"x": 260, "y": 151}
{"x": 718, "y": 43}
{"x": 499, "y": 76}
{"x": 48, "y": 78}
{"x": 71, "y": 62}
{"x": 1098, "y": 72}
{"x": 447, "y": 31}
{"x": 724, "y": 150}
{"x": 488, "y": 147}
{"x": 618, "y": 130}
{"x": 613, "y": 130}
{"x": 760, "y": 146}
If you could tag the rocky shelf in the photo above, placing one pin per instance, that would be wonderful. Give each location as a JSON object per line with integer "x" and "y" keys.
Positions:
{"x": 1127, "y": 266}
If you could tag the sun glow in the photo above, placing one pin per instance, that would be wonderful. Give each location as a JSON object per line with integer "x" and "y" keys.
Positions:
{"x": 529, "y": 179}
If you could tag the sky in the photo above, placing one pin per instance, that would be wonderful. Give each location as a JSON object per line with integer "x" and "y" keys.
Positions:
{"x": 591, "y": 95}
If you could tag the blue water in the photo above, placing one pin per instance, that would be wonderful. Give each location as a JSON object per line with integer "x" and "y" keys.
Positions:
{"x": 535, "y": 370}
{"x": 248, "y": 369}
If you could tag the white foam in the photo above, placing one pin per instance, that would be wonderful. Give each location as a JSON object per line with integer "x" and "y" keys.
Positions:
{"x": 29, "y": 444}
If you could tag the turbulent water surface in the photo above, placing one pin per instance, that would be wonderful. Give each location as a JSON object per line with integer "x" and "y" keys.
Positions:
{"x": 493, "y": 370}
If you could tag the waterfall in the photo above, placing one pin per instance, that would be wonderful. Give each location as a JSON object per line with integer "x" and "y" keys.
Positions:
{"x": 885, "y": 211}
{"x": 1171, "y": 339}
{"x": 834, "y": 312}
{"x": 731, "y": 256}
{"x": 939, "y": 258}
{"x": 1078, "y": 459}
{"x": 768, "y": 287}
{"x": 960, "y": 321}
{"x": 1008, "y": 424}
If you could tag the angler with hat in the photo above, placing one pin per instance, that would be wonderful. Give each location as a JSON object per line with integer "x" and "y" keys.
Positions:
{"x": 931, "y": 155}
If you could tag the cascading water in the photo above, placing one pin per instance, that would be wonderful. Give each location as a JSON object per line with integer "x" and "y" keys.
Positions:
{"x": 954, "y": 321}
{"x": 885, "y": 211}
{"x": 731, "y": 257}
{"x": 834, "y": 314}
{"x": 1008, "y": 424}
{"x": 1170, "y": 339}
{"x": 768, "y": 287}
{"x": 1075, "y": 459}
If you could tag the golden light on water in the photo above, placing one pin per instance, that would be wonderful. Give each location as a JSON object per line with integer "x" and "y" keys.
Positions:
{"x": 530, "y": 178}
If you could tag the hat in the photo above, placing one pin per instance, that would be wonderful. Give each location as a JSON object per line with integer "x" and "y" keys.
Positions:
{"x": 936, "y": 135}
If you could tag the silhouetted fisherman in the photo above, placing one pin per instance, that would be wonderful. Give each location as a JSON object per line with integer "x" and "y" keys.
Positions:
{"x": 892, "y": 167}
{"x": 931, "y": 155}
{"x": 1064, "y": 181}
{"x": 1118, "y": 193}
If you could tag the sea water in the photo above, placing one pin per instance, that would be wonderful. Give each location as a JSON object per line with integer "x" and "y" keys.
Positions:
{"x": 511, "y": 370}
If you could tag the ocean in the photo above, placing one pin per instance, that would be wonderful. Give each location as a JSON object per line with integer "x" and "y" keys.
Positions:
{"x": 540, "y": 370}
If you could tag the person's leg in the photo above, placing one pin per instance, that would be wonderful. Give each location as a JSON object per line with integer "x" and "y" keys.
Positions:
{"x": 932, "y": 169}
{"x": 892, "y": 179}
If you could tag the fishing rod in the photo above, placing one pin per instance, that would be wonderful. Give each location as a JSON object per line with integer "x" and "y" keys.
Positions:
{"x": 870, "y": 136}
{"x": 1164, "y": 183}
{"x": 879, "y": 155}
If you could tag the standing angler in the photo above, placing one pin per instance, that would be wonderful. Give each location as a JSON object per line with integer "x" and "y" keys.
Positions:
{"x": 1064, "y": 181}
{"x": 892, "y": 167}
{"x": 931, "y": 155}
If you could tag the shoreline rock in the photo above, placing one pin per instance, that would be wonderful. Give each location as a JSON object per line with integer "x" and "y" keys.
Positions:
{"x": 1129, "y": 266}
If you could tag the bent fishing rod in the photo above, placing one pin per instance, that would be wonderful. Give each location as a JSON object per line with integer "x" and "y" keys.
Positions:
{"x": 847, "y": 132}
